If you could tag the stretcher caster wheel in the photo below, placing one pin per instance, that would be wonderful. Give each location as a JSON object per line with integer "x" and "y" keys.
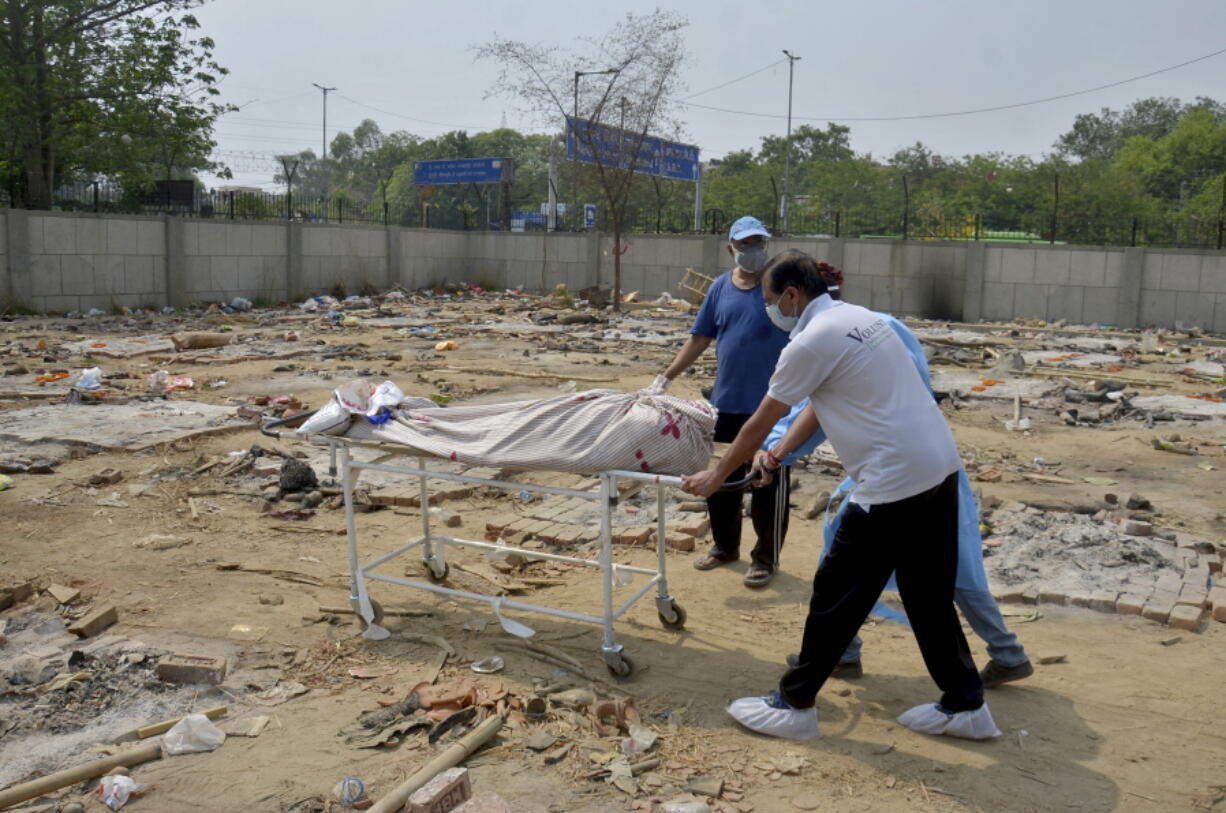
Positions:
{"x": 620, "y": 665}
{"x": 376, "y": 608}
{"x": 436, "y": 571}
{"x": 672, "y": 616}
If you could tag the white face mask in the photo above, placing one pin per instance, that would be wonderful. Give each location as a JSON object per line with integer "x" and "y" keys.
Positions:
{"x": 784, "y": 323}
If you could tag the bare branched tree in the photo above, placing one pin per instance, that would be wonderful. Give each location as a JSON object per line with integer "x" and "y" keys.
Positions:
{"x": 633, "y": 79}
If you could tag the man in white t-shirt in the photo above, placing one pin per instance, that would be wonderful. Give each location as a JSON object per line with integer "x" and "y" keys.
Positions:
{"x": 867, "y": 395}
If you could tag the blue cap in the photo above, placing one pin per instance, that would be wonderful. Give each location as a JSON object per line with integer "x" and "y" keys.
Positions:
{"x": 747, "y": 226}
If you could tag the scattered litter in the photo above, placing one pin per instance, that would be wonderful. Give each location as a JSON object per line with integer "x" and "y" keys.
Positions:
{"x": 114, "y": 790}
{"x": 194, "y": 734}
{"x": 488, "y": 666}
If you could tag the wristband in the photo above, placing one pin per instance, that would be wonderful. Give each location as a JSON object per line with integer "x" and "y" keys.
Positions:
{"x": 771, "y": 457}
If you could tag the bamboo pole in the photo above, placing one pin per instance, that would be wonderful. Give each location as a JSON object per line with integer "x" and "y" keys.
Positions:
{"x": 70, "y": 776}
{"x": 454, "y": 755}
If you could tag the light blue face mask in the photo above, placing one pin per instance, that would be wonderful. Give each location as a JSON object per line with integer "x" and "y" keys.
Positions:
{"x": 784, "y": 323}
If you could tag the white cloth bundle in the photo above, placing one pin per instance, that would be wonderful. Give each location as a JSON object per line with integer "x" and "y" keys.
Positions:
{"x": 583, "y": 432}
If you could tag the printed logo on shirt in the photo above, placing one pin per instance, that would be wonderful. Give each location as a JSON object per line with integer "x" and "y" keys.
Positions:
{"x": 871, "y": 336}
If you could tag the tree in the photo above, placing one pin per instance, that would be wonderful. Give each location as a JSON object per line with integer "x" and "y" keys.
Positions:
{"x": 113, "y": 87}
{"x": 641, "y": 60}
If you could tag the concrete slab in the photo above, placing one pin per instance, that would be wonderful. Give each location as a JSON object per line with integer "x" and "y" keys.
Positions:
{"x": 247, "y": 351}
{"x": 1049, "y": 358}
{"x": 1181, "y": 405}
{"x": 118, "y": 428}
{"x": 963, "y": 382}
{"x": 120, "y": 347}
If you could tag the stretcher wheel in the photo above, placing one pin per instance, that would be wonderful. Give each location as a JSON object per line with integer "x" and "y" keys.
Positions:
{"x": 674, "y": 620}
{"x": 375, "y": 607}
{"x": 621, "y": 666}
{"x": 436, "y": 576}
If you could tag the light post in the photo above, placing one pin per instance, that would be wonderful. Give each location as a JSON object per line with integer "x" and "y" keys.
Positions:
{"x": 323, "y": 145}
{"x": 787, "y": 150}
{"x": 574, "y": 184}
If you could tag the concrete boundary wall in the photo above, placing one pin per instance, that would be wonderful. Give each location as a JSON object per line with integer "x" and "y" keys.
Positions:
{"x": 62, "y": 261}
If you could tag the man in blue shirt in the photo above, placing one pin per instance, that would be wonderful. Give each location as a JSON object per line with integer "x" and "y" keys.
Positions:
{"x": 747, "y": 347}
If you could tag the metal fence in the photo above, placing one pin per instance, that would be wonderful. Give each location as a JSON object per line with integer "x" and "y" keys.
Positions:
{"x": 1055, "y": 226}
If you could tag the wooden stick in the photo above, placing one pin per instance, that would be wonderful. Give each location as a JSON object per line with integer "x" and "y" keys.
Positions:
{"x": 386, "y": 611}
{"x": 71, "y": 776}
{"x": 454, "y": 755}
{"x": 152, "y": 730}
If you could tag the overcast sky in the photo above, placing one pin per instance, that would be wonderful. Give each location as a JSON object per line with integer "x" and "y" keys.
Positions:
{"x": 410, "y": 65}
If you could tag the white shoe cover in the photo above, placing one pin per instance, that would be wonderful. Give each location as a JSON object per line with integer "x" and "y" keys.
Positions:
{"x": 791, "y": 724}
{"x": 931, "y": 719}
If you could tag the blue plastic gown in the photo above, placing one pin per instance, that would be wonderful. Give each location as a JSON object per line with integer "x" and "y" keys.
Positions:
{"x": 971, "y": 575}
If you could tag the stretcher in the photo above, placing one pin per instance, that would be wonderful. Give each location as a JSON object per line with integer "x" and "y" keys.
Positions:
{"x": 433, "y": 545}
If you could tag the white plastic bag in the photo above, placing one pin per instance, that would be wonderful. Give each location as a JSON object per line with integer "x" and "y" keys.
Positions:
{"x": 90, "y": 379}
{"x": 331, "y": 419}
{"x": 193, "y": 734}
{"x": 114, "y": 790}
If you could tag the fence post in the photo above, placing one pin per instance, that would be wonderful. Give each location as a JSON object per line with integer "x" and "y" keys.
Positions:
{"x": 231, "y": 205}
{"x": 838, "y": 216}
{"x": 340, "y": 210}
{"x": 1221, "y": 215}
{"x": 1055, "y": 210}
{"x": 1133, "y": 242}
{"x": 95, "y": 197}
{"x": 906, "y": 209}
{"x": 384, "y": 213}
{"x": 978, "y": 225}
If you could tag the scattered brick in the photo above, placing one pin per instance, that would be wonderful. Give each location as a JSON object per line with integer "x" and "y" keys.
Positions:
{"x": 695, "y": 527}
{"x": 449, "y": 518}
{"x": 95, "y": 622}
{"x": 1079, "y": 598}
{"x": 1193, "y": 596}
{"x": 443, "y": 793}
{"x": 677, "y": 541}
{"x": 1158, "y": 609}
{"x": 1056, "y": 597}
{"x": 1217, "y": 596}
{"x": 62, "y": 594}
{"x": 1130, "y": 604}
{"x": 1213, "y": 561}
{"x": 1013, "y": 595}
{"x": 484, "y": 803}
{"x": 632, "y": 536}
{"x": 179, "y": 668}
{"x": 1186, "y": 617}
{"x": 15, "y": 594}
{"x": 1136, "y": 527}
{"x": 1103, "y": 600}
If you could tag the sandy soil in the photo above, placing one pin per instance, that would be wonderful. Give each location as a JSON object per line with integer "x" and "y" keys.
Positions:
{"x": 1124, "y": 723}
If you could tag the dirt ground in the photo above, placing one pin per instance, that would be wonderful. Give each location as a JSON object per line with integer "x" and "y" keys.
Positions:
{"x": 1128, "y": 720}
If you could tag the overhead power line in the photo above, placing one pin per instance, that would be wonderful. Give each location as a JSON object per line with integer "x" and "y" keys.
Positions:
{"x": 966, "y": 112}
{"x": 734, "y": 81}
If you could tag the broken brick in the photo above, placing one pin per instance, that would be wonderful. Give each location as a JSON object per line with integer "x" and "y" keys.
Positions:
{"x": 95, "y": 622}
{"x": 1130, "y": 604}
{"x": 449, "y": 518}
{"x": 1079, "y": 598}
{"x": 1135, "y": 527}
{"x": 631, "y": 536}
{"x": 443, "y": 793}
{"x": 1193, "y": 595}
{"x": 1158, "y": 609}
{"x": 1186, "y": 617}
{"x": 695, "y": 527}
{"x": 1103, "y": 600}
{"x": 1056, "y": 597}
{"x": 675, "y": 540}
{"x": 178, "y": 668}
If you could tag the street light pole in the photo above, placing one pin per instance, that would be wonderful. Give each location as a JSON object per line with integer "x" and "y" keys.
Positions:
{"x": 323, "y": 149}
{"x": 787, "y": 165}
{"x": 574, "y": 186}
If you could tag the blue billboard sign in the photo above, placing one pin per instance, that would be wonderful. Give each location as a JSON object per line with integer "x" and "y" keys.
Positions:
{"x": 461, "y": 170}
{"x": 615, "y": 147}
{"x": 589, "y": 215}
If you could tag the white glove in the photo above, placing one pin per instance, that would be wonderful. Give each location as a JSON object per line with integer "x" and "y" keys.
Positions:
{"x": 659, "y": 386}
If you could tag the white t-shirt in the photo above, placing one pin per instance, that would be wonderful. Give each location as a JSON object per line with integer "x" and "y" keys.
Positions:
{"x": 878, "y": 415}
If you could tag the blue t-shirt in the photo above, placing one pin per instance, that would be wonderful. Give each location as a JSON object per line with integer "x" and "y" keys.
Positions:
{"x": 747, "y": 344}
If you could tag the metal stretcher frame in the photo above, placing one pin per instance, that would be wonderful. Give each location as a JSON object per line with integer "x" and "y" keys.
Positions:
{"x": 672, "y": 616}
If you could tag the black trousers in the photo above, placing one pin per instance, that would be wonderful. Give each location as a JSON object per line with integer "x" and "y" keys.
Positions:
{"x": 918, "y": 539}
{"x": 768, "y": 505}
